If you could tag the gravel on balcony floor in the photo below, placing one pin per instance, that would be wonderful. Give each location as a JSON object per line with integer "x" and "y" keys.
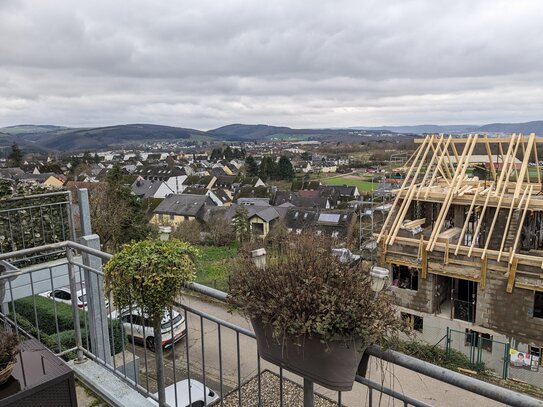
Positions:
{"x": 293, "y": 393}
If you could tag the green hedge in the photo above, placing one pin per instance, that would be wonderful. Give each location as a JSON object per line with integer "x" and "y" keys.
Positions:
{"x": 28, "y": 327}
{"x": 45, "y": 309}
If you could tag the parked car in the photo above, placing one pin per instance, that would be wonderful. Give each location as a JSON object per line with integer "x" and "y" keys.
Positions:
{"x": 63, "y": 294}
{"x": 141, "y": 330}
{"x": 196, "y": 394}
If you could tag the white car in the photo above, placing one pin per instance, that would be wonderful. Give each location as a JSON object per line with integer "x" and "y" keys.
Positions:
{"x": 196, "y": 394}
{"x": 63, "y": 294}
{"x": 141, "y": 329}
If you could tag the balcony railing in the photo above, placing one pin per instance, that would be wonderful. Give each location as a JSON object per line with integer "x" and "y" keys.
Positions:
{"x": 219, "y": 349}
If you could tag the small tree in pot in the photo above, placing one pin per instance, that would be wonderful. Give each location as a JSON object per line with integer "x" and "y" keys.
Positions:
{"x": 313, "y": 314}
{"x": 149, "y": 275}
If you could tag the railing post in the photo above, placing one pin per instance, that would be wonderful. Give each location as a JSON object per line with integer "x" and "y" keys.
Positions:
{"x": 96, "y": 305}
{"x": 75, "y": 308}
{"x": 308, "y": 393}
{"x": 84, "y": 211}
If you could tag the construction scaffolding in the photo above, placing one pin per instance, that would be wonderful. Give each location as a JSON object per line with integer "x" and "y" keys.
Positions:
{"x": 465, "y": 217}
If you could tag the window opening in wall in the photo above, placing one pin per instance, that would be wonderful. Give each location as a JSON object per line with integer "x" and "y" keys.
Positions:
{"x": 535, "y": 352}
{"x": 464, "y": 296}
{"x": 538, "y": 304}
{"x": 405, "y": 277}
{"x": 414, "y": 321}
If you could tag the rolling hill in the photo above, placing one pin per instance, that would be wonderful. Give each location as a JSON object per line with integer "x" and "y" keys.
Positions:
{"x": 69, "y": 139}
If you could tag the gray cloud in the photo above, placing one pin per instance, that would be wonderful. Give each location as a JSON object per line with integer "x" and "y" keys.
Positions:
{"x": 207, "y": 63}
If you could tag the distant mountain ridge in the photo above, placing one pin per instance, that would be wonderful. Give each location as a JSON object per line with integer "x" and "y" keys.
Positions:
{"x": 50, "y": 138}
{"x": 527, "y": 127}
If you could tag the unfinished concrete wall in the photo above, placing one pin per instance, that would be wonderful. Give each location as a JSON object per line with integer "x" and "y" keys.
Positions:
{"x": 509, "y": 313}
{"x": 421, "y": 300}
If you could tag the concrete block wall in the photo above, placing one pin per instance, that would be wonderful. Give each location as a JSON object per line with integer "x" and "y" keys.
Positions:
{"x": 421, "y": 300}
{"x": 509, "y": 313}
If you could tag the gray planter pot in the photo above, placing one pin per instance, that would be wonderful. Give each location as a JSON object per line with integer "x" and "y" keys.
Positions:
{"x": 333, "y": 366}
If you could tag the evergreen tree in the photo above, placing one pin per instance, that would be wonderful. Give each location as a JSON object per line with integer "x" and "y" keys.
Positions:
{"x": 87, "y": 157}
{"x": 285, "y": 169}
{"x": 15, "y": 158}
{"x": 269, "y": 170}
{"x": 251, "y": 167}
{"x": 241, "y": 224}
{"x": 228, "y": 153}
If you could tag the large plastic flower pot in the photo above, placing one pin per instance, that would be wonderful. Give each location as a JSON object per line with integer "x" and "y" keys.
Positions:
{"x": 332, "y": 365}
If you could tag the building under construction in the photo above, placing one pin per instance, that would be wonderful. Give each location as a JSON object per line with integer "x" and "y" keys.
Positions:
{"x": 464, "y": 239}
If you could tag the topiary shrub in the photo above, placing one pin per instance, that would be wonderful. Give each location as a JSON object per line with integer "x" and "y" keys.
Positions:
{"x": 150, "y": 275}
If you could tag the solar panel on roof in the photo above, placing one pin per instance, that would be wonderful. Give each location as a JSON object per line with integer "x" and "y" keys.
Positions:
{"x": 329, "y": 218}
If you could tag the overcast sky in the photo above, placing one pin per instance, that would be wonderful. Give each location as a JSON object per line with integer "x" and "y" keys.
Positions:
{"x": 204, "y": 64}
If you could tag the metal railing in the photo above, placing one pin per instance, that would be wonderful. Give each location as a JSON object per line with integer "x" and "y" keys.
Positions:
{"x": 35, "y": 220}
{"x": 215, "y": 348}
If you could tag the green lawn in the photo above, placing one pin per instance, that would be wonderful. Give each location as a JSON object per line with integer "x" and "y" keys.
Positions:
{"x": 214, "y": 265}
{"x": 362, "y": 184}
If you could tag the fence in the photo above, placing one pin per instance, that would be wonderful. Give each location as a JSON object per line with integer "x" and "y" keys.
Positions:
{"x": 483, "y": 352}
{"x": 216, "y": 348}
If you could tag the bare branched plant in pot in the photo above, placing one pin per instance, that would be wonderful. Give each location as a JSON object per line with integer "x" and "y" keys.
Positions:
{"x": 148, "y": 276}
{"x": 9, "y": 346}
{"x": 313, "y": 314}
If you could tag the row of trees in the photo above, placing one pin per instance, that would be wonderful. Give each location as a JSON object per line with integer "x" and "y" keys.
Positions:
{"x": 269, "y": 168}
{"x": 228, "y": 153}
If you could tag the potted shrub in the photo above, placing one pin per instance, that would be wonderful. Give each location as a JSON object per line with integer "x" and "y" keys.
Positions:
{"x": 8, "y": 349}
{"x": 149, "y": 275}
{"x": 313, "y": 314}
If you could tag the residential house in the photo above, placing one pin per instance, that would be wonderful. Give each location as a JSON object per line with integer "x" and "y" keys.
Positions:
{"x": 173, "y": 177}
{"x": 179, "y": 208}
{"x": 148, "y": 189}
{"x": 333, "y": 223}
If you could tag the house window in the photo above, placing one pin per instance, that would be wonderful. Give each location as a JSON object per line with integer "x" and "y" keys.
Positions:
{"x": 172, "y": 217}
{"x": 538, "y": 304}
{"x": 405, "y": 277}
{"x": 160, "y": 217}
{"x": 414, "y": 321}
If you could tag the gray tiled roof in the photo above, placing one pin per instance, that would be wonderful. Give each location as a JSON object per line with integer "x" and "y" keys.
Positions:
{"x": 183, "y": 204}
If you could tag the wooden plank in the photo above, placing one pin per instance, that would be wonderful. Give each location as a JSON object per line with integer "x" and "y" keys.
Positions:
{"x": 479, "y": 223}
{"x": 506, "y": 162}
{"x": 490, "y": 159}
{"x": 414, "y": 223}
{"x": 484, "y": 267}
{"x": 458, "y": 177}
{"x": 512, "y": 275}
{"x": 424, "y": 272}
{"x": 405, "y": 204}
{"x": 428, "y": 169}
{"x": 493, "y": 140}
{"x": 537, "y": 165}
{"x": 508, "y": 223}
{"x": 521, "y": 223}
{"x": 466, "y": 222}
{"x": 404, "y": 183}
{"x": 446, "y": 236}
{"x": 524, "y": 165}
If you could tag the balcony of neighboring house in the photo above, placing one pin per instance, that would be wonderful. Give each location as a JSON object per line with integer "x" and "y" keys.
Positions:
{"x": 110, "y": 352}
